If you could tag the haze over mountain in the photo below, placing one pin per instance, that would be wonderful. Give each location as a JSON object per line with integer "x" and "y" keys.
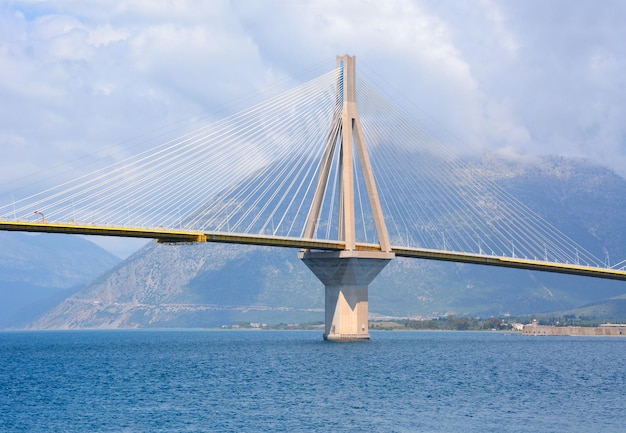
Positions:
{"x": 211, "y": 285}
{"x": 37, "y": 271}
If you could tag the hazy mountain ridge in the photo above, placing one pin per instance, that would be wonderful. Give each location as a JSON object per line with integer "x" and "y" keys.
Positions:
{"x": 51, "y": 260}
{"x": 160, "y": 283}
{"x": 38, "y": 271}
{"x": 581, "y": 198}
{"x": 211, "y": 284}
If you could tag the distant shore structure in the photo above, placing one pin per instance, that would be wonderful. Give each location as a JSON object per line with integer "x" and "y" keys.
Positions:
{"x": 604, "y": 330}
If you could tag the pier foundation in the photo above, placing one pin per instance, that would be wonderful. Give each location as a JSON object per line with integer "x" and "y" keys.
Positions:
{"x": 346, "y": 276}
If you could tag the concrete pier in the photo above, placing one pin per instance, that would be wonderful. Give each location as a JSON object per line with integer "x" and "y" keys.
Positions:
{"x": 346, "y": 273}
{"x": 346, "y": 276}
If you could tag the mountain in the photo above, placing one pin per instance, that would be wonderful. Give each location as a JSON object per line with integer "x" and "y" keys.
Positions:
{"x": 582, "y": 199}
{"x": 210, "y": 284}
{"x": 613, "y": 309}
{"x": 38, "y": 271}
{"x": 194, "y": 286}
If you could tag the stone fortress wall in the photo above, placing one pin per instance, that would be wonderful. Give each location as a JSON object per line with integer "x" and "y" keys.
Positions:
{"x": 602, "y": 330}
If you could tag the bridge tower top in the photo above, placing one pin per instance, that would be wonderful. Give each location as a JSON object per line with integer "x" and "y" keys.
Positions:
{"x": 346, "y": 130}
{"x": 347, "y": 67}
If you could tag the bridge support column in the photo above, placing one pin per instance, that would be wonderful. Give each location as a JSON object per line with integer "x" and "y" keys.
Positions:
{"x": 346, "y": 275}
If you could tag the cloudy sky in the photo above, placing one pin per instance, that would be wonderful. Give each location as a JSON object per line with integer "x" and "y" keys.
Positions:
{"x": 81, "y": 78}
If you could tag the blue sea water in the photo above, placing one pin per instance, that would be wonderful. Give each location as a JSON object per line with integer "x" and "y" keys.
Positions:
{"x": 292, "y": 381}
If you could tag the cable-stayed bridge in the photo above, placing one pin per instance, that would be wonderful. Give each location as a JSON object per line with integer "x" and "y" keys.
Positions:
{"x": 331, "y": 167}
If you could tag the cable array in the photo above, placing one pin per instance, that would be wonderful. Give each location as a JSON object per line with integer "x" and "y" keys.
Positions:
{"x": 435, "y": 199}
{"x": 256, "y": 171}
{"x": 246, "y": 173}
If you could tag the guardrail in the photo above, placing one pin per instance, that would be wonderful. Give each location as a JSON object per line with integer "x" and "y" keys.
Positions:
{"x": 181, "y": 236}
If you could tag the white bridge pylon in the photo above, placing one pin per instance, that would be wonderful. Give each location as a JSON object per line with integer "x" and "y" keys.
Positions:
{"x": 346, "y": 274}
{"x": 346, "y": 131}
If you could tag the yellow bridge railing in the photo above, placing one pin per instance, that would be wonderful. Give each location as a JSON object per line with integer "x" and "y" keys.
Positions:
{"x": 180, "y": 236}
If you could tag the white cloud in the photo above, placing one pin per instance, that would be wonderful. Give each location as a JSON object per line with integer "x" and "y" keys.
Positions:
{"x": 497, "y": 74}
{"x": 503, "y": 36}
{"x": 105, "y": 34}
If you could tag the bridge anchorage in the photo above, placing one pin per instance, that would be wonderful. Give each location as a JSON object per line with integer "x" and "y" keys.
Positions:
{"x": 346, "y": 274}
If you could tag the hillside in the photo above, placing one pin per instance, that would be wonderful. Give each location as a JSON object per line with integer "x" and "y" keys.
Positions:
{"x": 582, "y": 199}
{"x": 211, "y": 285}
{"x": 38, "y": 271}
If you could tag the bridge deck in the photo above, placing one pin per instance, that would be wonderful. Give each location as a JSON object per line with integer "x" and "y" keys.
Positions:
{"x": 181, "y": 236}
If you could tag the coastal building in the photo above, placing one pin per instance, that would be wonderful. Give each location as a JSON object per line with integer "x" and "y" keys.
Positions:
{"x": 608, "y": 329}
